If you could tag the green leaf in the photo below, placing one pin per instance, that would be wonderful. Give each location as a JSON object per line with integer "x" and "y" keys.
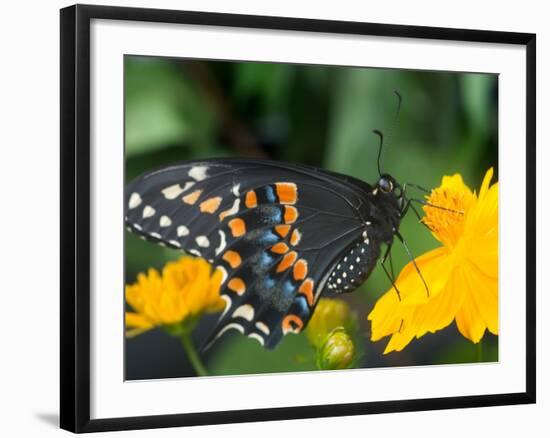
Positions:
{"x": 269, "y": 83}
{"x": 162, "y": 107}
{"x": 237, "y": 354}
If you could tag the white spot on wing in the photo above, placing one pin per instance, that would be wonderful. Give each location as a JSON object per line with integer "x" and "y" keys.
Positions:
{"x": 202, "y": 241}
{"x": 224, "y": 274}
{"x": 234, "y": 208}
{"x": 245, "y": 311}
{"x": 198, "y": 173}
{"x": 233, "y": 326}
{"x": 257, "y": 337}
{"x": 227, "y": 304}
{"x": 172, "y": 192}
{"x": 175, "y": 243}
{"x": 165, "y": 221}
{"x": 182, "y": 231}
{"x": 235, "y": 190}
{"x": 148, "y": 211}
{"x": 220, "y": 248}
{"x": 137, "y": 227}
{"x": 135, "y": 201}
{"x": 262, "y": 327}
{"x": 194, "y": 252}
{"x": 156, "y": 235}
{"x": 188, "y": 185}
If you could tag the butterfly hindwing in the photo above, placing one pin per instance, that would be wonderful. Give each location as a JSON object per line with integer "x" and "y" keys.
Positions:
{"x": 274, "y": 230}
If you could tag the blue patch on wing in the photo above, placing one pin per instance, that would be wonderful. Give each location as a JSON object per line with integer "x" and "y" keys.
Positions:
{"x": 288, "y": 289}
{"x": 301, "y": 305}
{"x": 269, "y": 283}
{"x": 270, "y": 194}
{"x": 266, "y": 259}
{"x": 267, "y": 237}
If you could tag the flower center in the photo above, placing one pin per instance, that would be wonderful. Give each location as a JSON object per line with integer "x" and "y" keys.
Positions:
{"x": 446, "y": 214}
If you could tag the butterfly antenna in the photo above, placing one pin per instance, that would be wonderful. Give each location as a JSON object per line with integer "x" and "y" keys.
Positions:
{"x": 427, "y": 204}
{"x": 379, "y": 134}
{"x": 419, "y": 187}
{"x": 399, "y": 102}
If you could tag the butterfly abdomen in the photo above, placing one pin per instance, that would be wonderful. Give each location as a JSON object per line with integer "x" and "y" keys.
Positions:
{"x": 355, "y": 266}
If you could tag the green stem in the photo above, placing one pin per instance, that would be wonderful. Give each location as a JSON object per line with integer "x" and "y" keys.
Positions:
{"x": 479, "y": 351}
{"x": 192, "y": 355}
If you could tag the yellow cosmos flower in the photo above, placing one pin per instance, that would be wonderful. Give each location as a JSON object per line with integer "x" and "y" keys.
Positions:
{"x": 462, "y": 274}
{"x": 184, "y": 290}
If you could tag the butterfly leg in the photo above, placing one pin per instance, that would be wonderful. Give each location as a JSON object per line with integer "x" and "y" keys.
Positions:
{"x": 409, "y": 253}
{"x": 390, "y": 274}
{"x": 415, "y": 211}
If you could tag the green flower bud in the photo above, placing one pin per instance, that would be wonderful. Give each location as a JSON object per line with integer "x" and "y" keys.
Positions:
{"x": 329, "y": 314}
{"x": 337, "y": 351}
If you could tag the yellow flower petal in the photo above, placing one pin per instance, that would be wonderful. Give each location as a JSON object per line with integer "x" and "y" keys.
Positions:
{"x": 184, "y": 290}
{"x": 486, "y": 296}
{"x": 399, "y": 341}
{"x": 469, "y": 321}
{"x": 462, "y": 275}
{"x": 136, "y": 324}
{"x": 386, "y": 316}
{"x": 439, "y": 311}
{"x": 435, "y": 266}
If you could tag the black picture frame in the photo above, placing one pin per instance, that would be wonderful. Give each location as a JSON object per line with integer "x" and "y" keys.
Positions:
{"x": 75, "y": 217}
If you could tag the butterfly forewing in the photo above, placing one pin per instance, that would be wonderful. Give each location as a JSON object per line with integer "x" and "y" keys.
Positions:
{"x": 275, "y": 231}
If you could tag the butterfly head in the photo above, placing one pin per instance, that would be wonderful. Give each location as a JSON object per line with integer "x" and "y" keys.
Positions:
{"x": 388, "y": 185}
{"x": 390, "y": 203}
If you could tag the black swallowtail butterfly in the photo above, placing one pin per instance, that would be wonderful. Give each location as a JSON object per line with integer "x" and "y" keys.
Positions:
{"x": 282, "y": 234}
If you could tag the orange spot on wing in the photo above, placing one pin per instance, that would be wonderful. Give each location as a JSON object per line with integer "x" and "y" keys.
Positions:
{"x": 300, "y": 270}
{"x": 287, "y": 261}
{"x": 291, "y": 214}
{"x": 237, "y": 285}
{"x": 192, "y": 197}
{"x": 251, "y": 200}
{"x": 287, "y": 192}
{"x": 306, "y": 289}
{"x": 279, "y": 248}
{"x": 238, "y": 227}
{"x": 210, "y": 205}
{"x": 295, "y": 238}
{"x": 292, "y": 323}
{"x": 282, "y": 230}
{"x": 233, "y": 258}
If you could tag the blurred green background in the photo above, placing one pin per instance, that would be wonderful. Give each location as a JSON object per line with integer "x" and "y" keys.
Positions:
{"x": 179, "y": 109}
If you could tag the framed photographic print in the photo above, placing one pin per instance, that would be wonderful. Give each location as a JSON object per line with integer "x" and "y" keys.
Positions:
{"x": 271, "y": 218}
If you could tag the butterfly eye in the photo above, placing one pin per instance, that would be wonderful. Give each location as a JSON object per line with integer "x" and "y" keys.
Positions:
{"x": 385, "y": 185}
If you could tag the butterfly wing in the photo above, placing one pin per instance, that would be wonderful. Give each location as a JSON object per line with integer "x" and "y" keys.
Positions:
{"x": 274, "y": 230}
